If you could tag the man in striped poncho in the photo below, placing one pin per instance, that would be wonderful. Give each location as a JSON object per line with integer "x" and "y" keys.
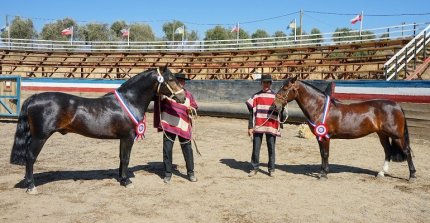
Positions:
{"x": 263, "y": 120}
{"x": 175, "y": 121}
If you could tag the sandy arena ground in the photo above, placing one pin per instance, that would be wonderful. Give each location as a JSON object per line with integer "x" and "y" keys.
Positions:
{"x": 77, "y": 181}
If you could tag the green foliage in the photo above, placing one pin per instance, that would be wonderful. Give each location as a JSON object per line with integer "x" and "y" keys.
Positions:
{"x": 344, "y": 34}
{"x": 95, "y": 32}
{"x": 217, "y": 33}
{"x": 116, "y": 28}
{"x": 169, "y": 29}
{"x": 279, "y": 34}
{"x": 141, "y": 32}
{"x": 21, "y": 29}
{"x": 52, "y": 31}
{"x": 259, "y": 33}
{"x": 315, "y": 36}
{"x": 193, "y": 36}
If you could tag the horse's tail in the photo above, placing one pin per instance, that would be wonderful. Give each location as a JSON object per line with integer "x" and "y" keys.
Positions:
{"x": 398, "y": 153}
{"x": 22, "y": 136}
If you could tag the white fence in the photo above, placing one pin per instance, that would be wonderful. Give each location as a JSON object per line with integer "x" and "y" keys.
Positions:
{"x": 383, "y": 33}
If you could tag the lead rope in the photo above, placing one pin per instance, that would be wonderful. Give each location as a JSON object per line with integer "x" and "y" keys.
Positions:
{"x": 192, "y": 116}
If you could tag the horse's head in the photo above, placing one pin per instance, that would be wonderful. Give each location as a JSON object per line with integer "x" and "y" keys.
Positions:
{"x": 287, "y": 93}
{"x": 169, "y": 86}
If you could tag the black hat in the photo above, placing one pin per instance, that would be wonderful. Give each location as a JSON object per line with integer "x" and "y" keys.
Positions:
{"x": 181, "y": 76}
{"x": 266, "y": 77}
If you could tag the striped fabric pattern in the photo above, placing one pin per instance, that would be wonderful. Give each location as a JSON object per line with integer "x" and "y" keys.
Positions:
{"x": 174, "y": 116}
{"x": 260, "y": 104}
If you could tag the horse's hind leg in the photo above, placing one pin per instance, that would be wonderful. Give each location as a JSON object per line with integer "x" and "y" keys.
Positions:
{"x": 31, "y": 156}
{"x": 124, "y": 156}
{"x": 385, "y": 142}
{"x": 406, "y": 149}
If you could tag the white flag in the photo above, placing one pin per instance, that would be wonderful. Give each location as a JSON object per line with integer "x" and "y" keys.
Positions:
{"x": 180, "y": 30}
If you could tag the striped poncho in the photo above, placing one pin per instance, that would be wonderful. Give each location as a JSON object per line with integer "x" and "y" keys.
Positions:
{"x": 174, "y": 116}
{"x": 264, "y": 120}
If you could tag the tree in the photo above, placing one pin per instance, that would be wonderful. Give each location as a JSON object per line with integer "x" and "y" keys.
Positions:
{"x": 141, "y": 32}
{"x": 259, "y": 33}
{"x": 169, "y": 29}
{"x": 21, "y": 29}
{"x": 217, "y": 33}
{"x": 315, "y": 36}
{"x": 116, "y": 28}
{"x": 95, "y": 32}
{"x": 279, "y": 34}
{"x": 344, "y": 34}
{"x": 193, "y": 36}
{"x": 52, "y": 31}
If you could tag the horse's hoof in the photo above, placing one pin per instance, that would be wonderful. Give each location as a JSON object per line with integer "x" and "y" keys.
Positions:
{"x": 126, "y": 183}
{"x": 323, "y": 177}
{"x": 32, "y": 191}
{"x": 380, "y": 175}
{"x": 412, "y": 179}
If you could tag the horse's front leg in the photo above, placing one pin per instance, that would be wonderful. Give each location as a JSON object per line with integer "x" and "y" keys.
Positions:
{"x": 124, "y": 155}
{"x": 324, "y": 145}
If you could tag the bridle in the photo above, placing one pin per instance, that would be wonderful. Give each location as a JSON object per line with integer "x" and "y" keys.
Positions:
{"x": 161, "y": 81}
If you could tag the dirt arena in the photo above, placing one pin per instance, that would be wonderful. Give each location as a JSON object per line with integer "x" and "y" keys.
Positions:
{"x": 77, "y": 181}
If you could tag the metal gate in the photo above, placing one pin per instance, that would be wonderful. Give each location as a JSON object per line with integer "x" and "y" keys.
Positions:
{"x": 10, "y": 96}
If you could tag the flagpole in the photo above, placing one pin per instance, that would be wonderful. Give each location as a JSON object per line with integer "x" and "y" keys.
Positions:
{"x": 71, "y": 37}
{"x": 128, "y": 37}
{"x": 295, "y": 31}
{"x": 8, "y": 31}
{"x": 237, "y": 35}
{"x": 361, "y": 22}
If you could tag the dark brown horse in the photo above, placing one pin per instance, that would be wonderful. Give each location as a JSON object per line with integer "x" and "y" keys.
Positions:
{"x": 350, "y": 121}
{"x": 103, "y": 118}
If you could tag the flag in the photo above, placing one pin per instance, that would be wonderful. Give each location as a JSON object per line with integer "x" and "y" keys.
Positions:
{"x": 356, "y": 19}
{"x": 125, "y": 32}
{"x": 4, "y": 28}
{"x": 292, "y": 24}
{"x": 235, "y": 28}
{"x": 180, "y": 30}
{"x": 67, "y": 31}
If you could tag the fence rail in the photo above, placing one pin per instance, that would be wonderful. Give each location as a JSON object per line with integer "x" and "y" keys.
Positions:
{"x": 334, "y": 38}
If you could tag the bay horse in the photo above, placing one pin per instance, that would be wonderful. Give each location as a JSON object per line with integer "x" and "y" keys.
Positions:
{"x": 331, "y": 119}
{"x": 104, "y": 118}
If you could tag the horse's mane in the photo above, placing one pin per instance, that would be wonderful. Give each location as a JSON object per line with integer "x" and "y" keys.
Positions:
{"x": 332, "y": 99}
{"x": 135, "y": 78}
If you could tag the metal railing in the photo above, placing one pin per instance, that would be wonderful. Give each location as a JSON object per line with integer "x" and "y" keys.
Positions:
{"x": 409, "y": 52}
{"x": 323, "y": 39}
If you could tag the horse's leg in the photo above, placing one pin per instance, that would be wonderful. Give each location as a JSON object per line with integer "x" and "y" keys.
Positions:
{"x": 324, "y": 145}
{"x": 124, "y": 155}
{"x": 401, "y": 142}
{"x": 385, "y": 142}
{"x": 30, "y": 157}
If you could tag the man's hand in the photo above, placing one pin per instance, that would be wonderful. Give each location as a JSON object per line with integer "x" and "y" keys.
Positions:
{"x": 250, "y": 132}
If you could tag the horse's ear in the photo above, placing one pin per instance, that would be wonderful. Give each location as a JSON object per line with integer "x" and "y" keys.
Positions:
{"x": 164, "y": 69}
{"x": 294, "y": 79}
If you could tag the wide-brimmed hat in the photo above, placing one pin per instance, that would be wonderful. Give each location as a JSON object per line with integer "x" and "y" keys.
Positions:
{"x": 181, "y": 76}
{"x": 266, "y": 77}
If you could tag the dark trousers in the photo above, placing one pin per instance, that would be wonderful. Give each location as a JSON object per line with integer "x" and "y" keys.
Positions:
{"x": 256, "y": 145}
{"x": 167, "y": 154}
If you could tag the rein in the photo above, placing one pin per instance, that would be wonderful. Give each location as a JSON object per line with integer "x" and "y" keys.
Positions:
{"x": 161, "y": 81}
{"x": 192, "y": 115}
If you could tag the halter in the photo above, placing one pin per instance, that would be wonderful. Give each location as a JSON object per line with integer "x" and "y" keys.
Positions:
{"x": 140, "y": 125}
{"x": 321, "y": 129}
{"x": 160, "y": 80}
